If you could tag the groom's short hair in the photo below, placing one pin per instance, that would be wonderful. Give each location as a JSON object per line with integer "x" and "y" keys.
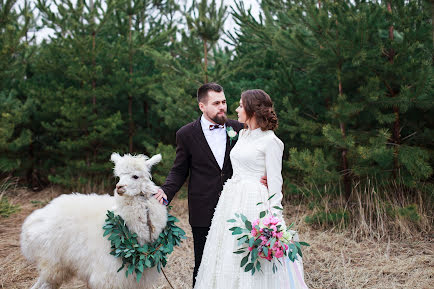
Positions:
{"x": 202, "y": 92}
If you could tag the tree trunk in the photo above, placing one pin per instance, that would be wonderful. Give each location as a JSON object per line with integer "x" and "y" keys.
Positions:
{"x": 93, "y": 60}
{"x": 345, "y": 168}
{"x": 93, "y": 73}
{"x": 130, "y": 97}
{"x": 432, "y": 24}
{"x": 396, "y": 126}
{"x": 205, "y": 52}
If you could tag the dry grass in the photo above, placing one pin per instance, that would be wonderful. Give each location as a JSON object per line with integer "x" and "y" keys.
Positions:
{"x": 334, "y": 260}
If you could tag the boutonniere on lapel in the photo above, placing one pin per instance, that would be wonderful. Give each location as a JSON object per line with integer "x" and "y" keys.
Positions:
{"x": 232, "y": 134}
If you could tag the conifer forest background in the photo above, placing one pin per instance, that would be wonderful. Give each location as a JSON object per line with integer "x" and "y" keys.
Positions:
{"x": 351, "y": 82}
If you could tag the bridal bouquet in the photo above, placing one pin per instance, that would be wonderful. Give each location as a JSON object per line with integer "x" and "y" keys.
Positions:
{"x": 265, "y": 238}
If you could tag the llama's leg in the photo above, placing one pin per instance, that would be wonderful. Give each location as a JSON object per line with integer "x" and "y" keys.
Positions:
{"x": 51, "y": 277}
{"x": 44, "y": 284}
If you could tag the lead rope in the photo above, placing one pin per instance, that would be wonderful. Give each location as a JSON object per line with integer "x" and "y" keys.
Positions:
{"x": 170, "y": 284}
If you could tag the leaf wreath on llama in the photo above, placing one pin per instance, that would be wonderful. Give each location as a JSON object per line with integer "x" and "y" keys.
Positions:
{"x": 136, "y": 258}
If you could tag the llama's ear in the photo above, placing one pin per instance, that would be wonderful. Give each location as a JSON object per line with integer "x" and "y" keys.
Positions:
{"x": 115, "y": 157}
{"x": 154, "y": 160}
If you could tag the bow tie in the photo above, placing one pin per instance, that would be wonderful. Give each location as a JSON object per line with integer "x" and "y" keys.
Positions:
{"x": 213, "y": 126}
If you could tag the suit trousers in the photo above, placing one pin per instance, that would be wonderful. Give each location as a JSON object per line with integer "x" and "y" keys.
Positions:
{"x": 199, "y": 239}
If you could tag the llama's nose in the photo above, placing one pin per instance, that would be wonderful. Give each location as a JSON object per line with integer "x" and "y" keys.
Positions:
{"x": 120, "y": 189}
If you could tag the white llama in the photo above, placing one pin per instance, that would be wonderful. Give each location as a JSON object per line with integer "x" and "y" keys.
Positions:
{"x": 65, "y": 238}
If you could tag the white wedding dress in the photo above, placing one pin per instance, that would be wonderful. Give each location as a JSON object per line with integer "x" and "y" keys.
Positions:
{"x": 256, "y": 153}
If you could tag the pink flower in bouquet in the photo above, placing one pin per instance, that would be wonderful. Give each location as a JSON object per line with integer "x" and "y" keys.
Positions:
{"x": 269, "y": 257}
{"x": 274, "y": 220}
{"x": 278, "y": 235}
{"x": 253, "y": 232}
{"x": 266, "y": 221}
{"x": 255, "y": 223}
{"x": 273, "y": 227}
{"x": 276, "y": 244}
{"x": 250, "y": 249}
{"x": 278, "y": 253}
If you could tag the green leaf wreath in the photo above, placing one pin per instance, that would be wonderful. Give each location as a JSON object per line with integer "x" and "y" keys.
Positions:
{"x": 136, "y": 258}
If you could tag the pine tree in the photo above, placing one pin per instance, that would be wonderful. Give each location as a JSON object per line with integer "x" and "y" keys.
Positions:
{"x": 15, "y": 106}
{"x": 329, "y": 83}
{"x": 207, "y": 22}
{"x": 82, "y": 130}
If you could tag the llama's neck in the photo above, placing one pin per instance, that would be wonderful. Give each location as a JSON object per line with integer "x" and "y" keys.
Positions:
{"x": 134, "y": 211}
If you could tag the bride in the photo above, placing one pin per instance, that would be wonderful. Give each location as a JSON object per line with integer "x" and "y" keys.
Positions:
{"x": 258, "y": 151}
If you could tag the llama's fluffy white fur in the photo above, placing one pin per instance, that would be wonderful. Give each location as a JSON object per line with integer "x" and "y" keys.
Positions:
{"x": 65, "y": 238}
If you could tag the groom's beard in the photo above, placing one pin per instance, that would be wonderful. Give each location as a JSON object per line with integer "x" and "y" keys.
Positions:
{"x": 219, "y": 119}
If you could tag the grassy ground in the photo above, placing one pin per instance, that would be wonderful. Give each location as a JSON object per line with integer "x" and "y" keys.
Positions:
{"x": 334, "y": 260}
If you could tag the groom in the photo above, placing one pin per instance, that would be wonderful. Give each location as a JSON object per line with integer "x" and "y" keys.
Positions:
{"x": 202, "y": 152}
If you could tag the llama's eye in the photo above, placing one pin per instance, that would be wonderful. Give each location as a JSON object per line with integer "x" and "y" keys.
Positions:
{"x": 135, "y": 177}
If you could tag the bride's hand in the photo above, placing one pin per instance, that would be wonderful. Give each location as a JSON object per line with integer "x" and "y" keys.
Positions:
{"x": 264, "y": 181}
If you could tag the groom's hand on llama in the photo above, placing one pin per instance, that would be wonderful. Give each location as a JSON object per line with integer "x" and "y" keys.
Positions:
{"x": 264, "y": 181}
{"x": 161, "y": 197}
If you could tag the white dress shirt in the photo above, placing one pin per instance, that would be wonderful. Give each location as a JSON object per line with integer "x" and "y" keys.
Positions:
{"x": 216, "y": 139}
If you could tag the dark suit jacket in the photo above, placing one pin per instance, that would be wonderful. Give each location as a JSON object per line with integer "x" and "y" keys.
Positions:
{"x": 195, "y": 158}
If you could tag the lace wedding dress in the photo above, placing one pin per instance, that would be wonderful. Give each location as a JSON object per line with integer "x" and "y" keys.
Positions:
{"x": 256, "y": 153}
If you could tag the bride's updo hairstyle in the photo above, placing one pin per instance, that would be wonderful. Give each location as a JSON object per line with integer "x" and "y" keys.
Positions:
{"x": 257, "y": 103}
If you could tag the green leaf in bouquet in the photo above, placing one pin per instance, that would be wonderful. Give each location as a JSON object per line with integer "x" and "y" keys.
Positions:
{"x": 271, "y": 196}
{"x": 231, "y": 220}
{"x": 237, "y": 215}
{"x": 258, "y": 266}
{"x": 237, "y": 231}
{"x": 272, "y": 241}
{"x": 292, "y": 224}
{"x": 278, "y": 208}
{"x": 299, "y": 251}
{"x": 258, "y": 203}
{"x": 248, "y": 267}
{"x": 254, "y": 254}
{"x": 274, "y": 268}
{"x": 265, "y": 249}
{"x": 234, "y": 228}
{"x": 248, "y": 225}
{"x": 251, "y": 241}
{"x": 243, "y": 218}
{"x": 239, "y": 251}
{"x": 304, "y": 244}
{"x": 294, "y": 254}
{"x": 242, "y": 240}
{"x": 262, "y": 214}
{"x": 253, "y": 270}
{"x": 257, "y": 242}
{"x": 244, "y": 261}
